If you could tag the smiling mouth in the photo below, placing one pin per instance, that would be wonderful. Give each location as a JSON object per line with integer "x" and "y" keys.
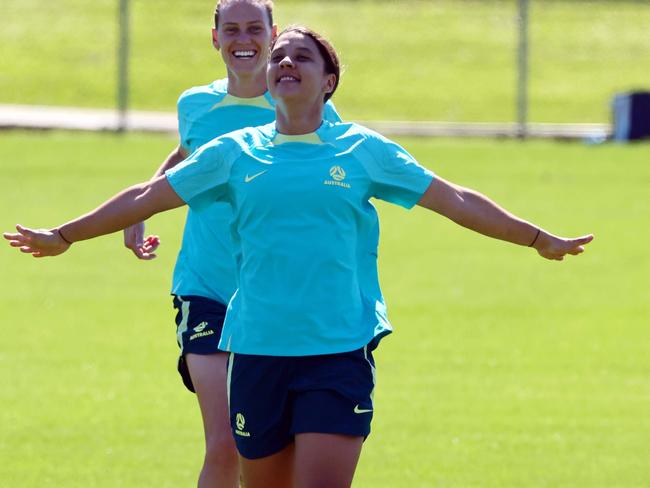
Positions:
{"x": 287, "y": 78}
{"x": 244, "y": 54}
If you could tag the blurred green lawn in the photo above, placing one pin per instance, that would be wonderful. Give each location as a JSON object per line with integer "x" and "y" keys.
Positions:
{"x": 450, "y": 60}
{"x": 505, "y": 370}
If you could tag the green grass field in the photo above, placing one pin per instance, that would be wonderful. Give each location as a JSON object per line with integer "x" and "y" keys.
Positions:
{"x": 448, "y": 60}
{"x": 505, "y": 370}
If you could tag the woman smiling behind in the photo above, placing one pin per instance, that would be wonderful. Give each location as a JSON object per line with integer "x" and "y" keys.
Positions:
{"x": 308, "y": 311}
{"x": 204, "y": 275}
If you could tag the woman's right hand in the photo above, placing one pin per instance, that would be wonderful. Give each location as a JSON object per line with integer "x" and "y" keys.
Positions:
{"x": 141, "y": 247}
{"x": 38, "y": 242}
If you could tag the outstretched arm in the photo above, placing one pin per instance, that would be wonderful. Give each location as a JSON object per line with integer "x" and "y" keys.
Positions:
{"x": 477, "y": 212}
{"x": 130, "y": 206}
{"x": 134, "y": 235}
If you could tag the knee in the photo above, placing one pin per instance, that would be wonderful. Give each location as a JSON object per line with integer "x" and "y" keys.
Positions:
{"x": 221, "y": 451}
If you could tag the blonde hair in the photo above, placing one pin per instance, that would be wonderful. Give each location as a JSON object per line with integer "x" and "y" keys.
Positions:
{"x": 267, "y": 4}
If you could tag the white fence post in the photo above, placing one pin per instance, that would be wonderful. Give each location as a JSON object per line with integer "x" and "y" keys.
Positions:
{"x": 123, "y": 65}
{"x": 522, "y": 69}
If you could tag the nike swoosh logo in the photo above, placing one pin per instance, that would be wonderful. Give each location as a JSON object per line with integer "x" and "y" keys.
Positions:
{"x": 361, "y": 410}
{"x": 248, "y": 179}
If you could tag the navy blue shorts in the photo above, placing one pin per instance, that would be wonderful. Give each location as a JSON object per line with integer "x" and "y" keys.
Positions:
{"x": 199, "y": 322}
{"x": 274, "y": 398}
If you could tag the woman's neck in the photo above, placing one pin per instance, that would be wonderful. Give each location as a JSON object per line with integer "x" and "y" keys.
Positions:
{"x": 246, "y": 86}
{"x": 297, "y": 119}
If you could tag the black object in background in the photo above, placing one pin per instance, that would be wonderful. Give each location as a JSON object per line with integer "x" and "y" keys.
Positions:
{"x": 631, "y": 114}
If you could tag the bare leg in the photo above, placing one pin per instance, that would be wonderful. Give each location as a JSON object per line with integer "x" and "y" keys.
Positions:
{"x": 273, "y": 471}
{"x": 326, "y": 460}
{"x": 220, "y": 466}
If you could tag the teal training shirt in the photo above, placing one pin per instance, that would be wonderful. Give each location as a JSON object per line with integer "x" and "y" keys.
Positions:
{"x": 304, "y": 231}
{"x": 205, "y": 264}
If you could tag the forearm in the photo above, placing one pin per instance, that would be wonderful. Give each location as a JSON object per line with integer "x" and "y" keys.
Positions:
{"x": 174, "y": 157}
{"x": 134, "y": 238}
{"x": 477, "y": 212}
{"x": 128, "y": 207}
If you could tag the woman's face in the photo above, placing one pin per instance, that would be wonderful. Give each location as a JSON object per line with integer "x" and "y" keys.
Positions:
{"x": 243, "y": 36}
{"x": 296, "y": 70}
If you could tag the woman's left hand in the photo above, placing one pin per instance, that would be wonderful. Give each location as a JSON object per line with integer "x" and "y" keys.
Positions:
{"x": 553, "y": 247}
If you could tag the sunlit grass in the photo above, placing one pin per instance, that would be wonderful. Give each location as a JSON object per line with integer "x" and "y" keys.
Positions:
{"x": 404, "y": 59}
{"x": 505, "y": 370}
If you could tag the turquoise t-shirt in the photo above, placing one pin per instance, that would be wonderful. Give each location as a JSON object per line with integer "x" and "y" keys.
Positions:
{"x": 205, "y": 264}
{"x": 304, "y": 231}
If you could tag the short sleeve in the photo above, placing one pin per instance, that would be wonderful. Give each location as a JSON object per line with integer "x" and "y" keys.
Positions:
{"x": 202, "y": 178}
{"x": 330, "y": 114}
{"x": 183, "y": 126}
{"x": 396, "y": 176}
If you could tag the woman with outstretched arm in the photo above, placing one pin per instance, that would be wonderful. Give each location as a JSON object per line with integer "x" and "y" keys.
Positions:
{"x": 308, "y": 310}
